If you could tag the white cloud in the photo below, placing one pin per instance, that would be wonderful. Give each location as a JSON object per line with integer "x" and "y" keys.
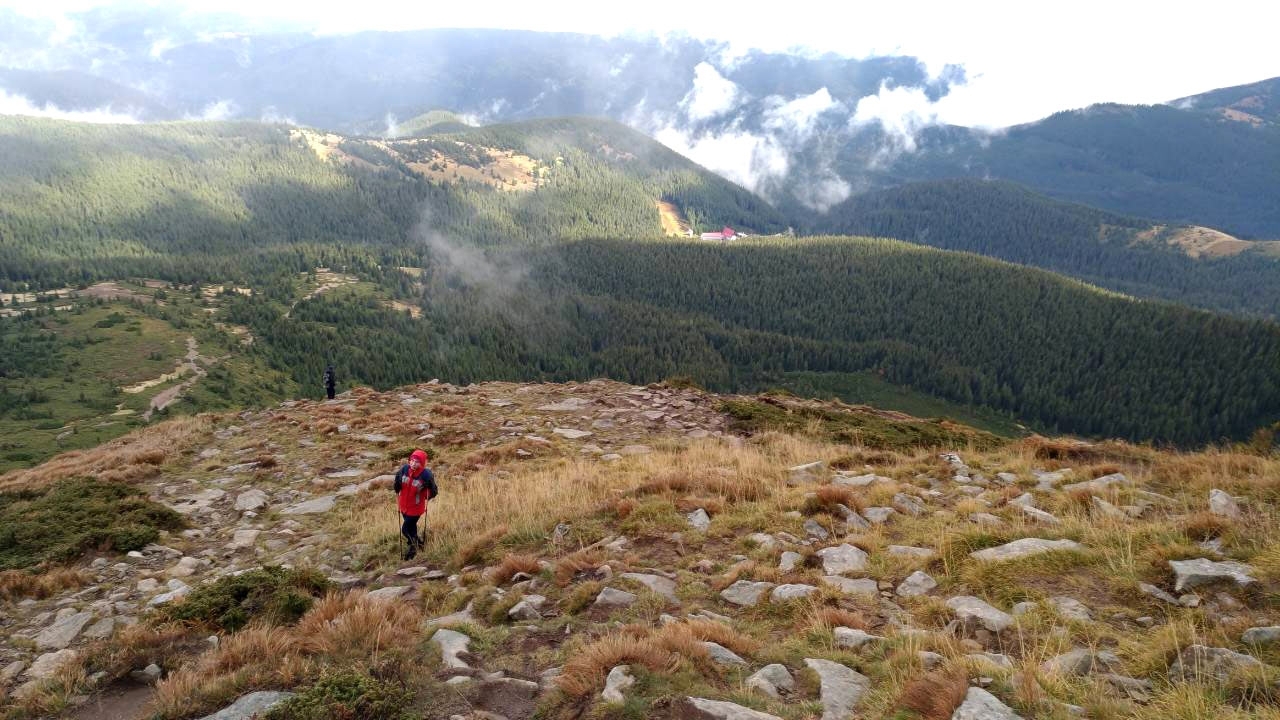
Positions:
{"x": 749, "y": 160}
{"x": 220, "y": 110}
{"x": 711, "y": 95}
{"x": 798, "y": 118}
{"x": 901, "y": 111}
{"x": 19, "y": 105}
{"x": 272, "y": 115}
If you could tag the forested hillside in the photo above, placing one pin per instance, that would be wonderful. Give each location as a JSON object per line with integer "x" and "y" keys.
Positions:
{"x": 1009, "y": 222}
{"x": 1028, "y": 343}
{"x": 204, "y": 201}
{"x": 1177, "y": 165}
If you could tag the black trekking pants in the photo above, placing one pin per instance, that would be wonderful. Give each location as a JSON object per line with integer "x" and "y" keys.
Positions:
{"x": 410, "y": 529}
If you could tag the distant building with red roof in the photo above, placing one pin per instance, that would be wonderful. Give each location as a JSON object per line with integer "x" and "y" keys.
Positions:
{"x": 726, "y": 234}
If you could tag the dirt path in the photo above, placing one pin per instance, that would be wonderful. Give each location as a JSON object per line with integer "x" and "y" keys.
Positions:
{"x": 168, "y": 396}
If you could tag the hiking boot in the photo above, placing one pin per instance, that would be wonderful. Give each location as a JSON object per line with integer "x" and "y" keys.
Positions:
{"x": 411, "y": 552}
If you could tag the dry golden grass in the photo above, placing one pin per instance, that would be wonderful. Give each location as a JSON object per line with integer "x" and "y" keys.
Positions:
{"x": 829, "y": 618}
{"x": 136, "y": 455}
{"x": 1204, "y": 525}
{"x": 18, "y": 584}
{"x": 570, "y": 565}
{"x": 722, "y": 634}
{"x": 476, "y": 548}
{"x": 510, "y": 565}
{"x": 585, "y": 671}
{"x": 623, "y": 508}
{"x": 935, "y": 695}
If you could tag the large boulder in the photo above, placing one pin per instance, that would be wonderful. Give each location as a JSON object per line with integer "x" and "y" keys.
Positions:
{"x": 1025, "y": 547}
{"x": 721, "y": 710}
{"x": 745, "y": 592}
{"x": 1202, "y": 571}
{"x": 841, "y": 559}
{"x": 1222, "y": 504}
{"x": 1200, "y": 662}
{"x": 981, "y": 705}
{"x": 841, "y": 688}
{"x": 969, "y": 609}
{"x": 253, "y": 705}
{"x": 772, "y": 680}
{"x": 63, "y": 630}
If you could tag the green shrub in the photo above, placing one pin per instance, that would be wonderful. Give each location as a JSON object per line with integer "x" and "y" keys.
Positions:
{"x": 273, "y": 594}
{"x": 67, "y": 519}
{"x": 348, "y": 695}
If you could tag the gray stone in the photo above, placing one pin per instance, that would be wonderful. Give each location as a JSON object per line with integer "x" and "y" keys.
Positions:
{"x": 721, "y": 710}
{"x": 1039, "y": 515}
{"x": 1024, "y": 500}
{"x": 101, "y": 630}
{"x": 568, "y": 405}
{"x": 1136, "y": 689}
{"x": 986, "y": 518}
{"x": 619, "y": 679}
{"x": 763, "y": 541}
{"x": 853, "y": 586}
{"x": 852, "y": 520}
{"x": 981, "y": 705}
{"x": 452, "y": 645}
{"x": 699, "y": 520}
{"x": 149, "y": 674}
{"x": 814, "y": 529}
{"x": 745, "y": 593}
{"x": 930, "y": 660}
{"x": 853, "y": 638}
{"x": 665, "y": 587}
{"x": 1106, "y": 509}
{"x": 772, "y": 680}
{"x": 783, "y": 593}
{"x": 610, "y": 597}
{"x": 572, "y": 433}
{"x": 1098, "y": 485}
{"x": 1071, "y": 609}
{"x": 254, "y": 499}
{"x": 244, "y": 538}
{"x": 377, "y": 438}
{"x": 321, "y": 504}
{"x": 65, "y": 629}
{"x": 809, "y": 472}
{"x": 1080, "y": 661}
{"x": 993, "y": 659}
{"x": 789, "y": 561}
{"x": 1157, "y": 593}
{"x": 842, "y": 558}
{"x": 908, "y": 505}
{"x": 1025, "y": 547}
{"x": 878, "y": 515}
{"x": 917, "y": 583}
{"x": 253, "y": 705}
{"x": 1201, "y": 571}
{"x": 972, "y": 609}
{"x": 841, "y": 688}
{"x": 1022, "y": 608}
{"x": 859, "y": 480}
{"x": 1007, "y": 478}
{"x": 186, "y": 567}
{"x": 911, "y": 552}
{"x": 392, "y": 592}
{"x": 1261, "y": 635}
{"x": 49, "y": 664}
{"x": 529, "y": 608}
{"x": 12, "y": 671}
{"x": 1222, "y": 504}
{"x": 1200, "y": 661}
{"x": 722, "y": 655}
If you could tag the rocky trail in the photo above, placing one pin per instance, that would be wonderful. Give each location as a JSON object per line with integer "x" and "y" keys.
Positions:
{"x": 793, "y": 599}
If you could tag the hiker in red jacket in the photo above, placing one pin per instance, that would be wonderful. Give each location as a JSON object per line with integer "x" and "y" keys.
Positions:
{"x": 414, "y": 486}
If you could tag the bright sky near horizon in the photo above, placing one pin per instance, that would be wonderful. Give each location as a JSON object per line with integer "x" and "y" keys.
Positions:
{"x": 1024, "y": 60}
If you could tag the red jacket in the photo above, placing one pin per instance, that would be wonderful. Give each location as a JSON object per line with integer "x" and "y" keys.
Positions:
{"x": 414, "y": 491}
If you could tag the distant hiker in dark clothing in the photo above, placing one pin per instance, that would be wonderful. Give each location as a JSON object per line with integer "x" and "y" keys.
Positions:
{"x": 414, "y": 486}
{"x": 329, "y": 381}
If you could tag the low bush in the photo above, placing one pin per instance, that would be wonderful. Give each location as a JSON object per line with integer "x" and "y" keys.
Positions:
{"x": 272, "y": 594}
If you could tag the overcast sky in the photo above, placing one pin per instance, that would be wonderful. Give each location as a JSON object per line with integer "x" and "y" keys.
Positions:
{"x": 1024, "y": 60}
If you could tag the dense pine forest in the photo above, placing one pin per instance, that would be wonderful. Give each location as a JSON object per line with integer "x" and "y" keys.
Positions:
{"x": 570, "y": 277}
{"x": 1003, "y": 220}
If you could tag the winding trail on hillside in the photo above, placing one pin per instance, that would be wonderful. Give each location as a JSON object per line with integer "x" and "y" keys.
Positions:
{"x": 168, "y": 396}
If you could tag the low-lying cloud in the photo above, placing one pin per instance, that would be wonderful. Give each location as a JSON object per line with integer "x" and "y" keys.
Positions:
{"x": 12, "y": 104}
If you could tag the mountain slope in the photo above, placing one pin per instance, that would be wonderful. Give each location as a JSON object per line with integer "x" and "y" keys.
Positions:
{"x": 1002, "y": 220}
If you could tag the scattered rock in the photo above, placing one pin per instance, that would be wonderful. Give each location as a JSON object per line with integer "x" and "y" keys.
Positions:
{"x": 1222, "y": 504}
{"x": 721, "y": 710}
{"x": 783, "y": 593}
{"x": 1157, "y": 593}
{"x": 745, "y": 593}
{"x": 722, "y": 655}
{"x": 619, "y": 679}
{"x": 981, "y": 705}
{"x": 699, "y": 520}
{"x": 254, "y": 499}
{"x": 571, "y": 433}
{"x": 853, "y": 638}
{"x": 972, "y": 609}
{"x": 253, "y": 705}
{"x": 149, "y": 674}
{"x": 912, "y": 552}
{"x": 1080, "y": 661}
{"x": 48, "y": 664}
{"x": 841, "y": 559}
{"x": 908, "y": 505}
{"x": 814, "y": 529}
{"x": 789, "y": 561}
{"x": 62, "y": 631}
{"x": 1199, "y": 661}
{"x": 244, "y": 538}
{"x": 878, "y": 515}
{"x": 321, "y": 504}
{"x": 853, "y": 586}
{"x": 1098, "y": 485}
{"x": 529, "y": 608}
{"x": 772, "y": 680}
{"x": 389, "y": 593}
{"x": 859, "y": 480}
{"x": 1261, "y": 635}
{"x": 1023, "y": 548}
{"x": 1201, "y": 571}
{"x": 665, "y": 587}
{"x": 1039, "y": 515}
{"x": 1105, "y": 509}
{"x": 1071, "y": 609}
{"x": 609, "y": 597}
{"x": 452, "y": 645}
{"x": 841, "y": 688}
{"x": 917, "y": 583}
{"x": 809, "y": 472}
